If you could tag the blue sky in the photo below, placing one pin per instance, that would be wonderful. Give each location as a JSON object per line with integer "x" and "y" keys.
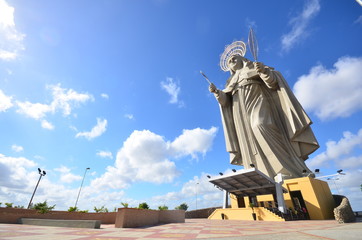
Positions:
{"x": 115, "y": 86}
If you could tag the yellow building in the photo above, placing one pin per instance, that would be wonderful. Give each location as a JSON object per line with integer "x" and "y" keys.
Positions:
{"x": 306, "y": 194}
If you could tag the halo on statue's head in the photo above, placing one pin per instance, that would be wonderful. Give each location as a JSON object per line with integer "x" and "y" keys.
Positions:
{"x": 236, "y": 48}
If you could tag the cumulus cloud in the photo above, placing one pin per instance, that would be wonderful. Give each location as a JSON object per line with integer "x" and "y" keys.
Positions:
{"x": 173, "y": 89}
{"x": 300, "y": 25}
{"x": 207, "y": 194}
{"x": 129, "y": 116}
{"x": 17, "y": 148}
{"x": 340, "y": 152}
{"x": 11, "y": 40}
{"x": 96, "y": 131}
{"x": 332, "y": 93}
{"x": 146, "y": 156}
{"x": 14, "y": 171}
{"x": 66, "y": 176}
{"x": 105, "y": 154}
{"x": 105, "y": 96}
{"x": 193, "y": 141}
{"x": 5, "y": 102}
{"x": 64, "y": 100}
{"x": 47, "y": 125}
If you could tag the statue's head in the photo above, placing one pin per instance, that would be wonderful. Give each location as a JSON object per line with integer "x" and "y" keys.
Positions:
{"x": 235, "y": 62}
{"x": 232, "y": 54}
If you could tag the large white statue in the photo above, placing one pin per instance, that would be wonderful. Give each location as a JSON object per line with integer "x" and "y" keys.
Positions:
{"x": 264, "y": 124}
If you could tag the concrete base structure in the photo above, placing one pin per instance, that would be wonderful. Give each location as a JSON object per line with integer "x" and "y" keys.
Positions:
{"x": 133, "y": 217}
{"x": 312, "y": 196}
{"x": 61, "y": 223}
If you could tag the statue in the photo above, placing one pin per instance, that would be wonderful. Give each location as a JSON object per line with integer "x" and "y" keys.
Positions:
{"x": 264, "y": 124}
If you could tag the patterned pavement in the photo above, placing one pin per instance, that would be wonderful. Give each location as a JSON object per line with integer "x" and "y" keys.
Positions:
{"x": 193, "y": 229}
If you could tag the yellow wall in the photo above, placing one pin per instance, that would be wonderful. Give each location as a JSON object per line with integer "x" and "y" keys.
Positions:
{"x": 262, "y": 214}
{"x": 316, "y": 194}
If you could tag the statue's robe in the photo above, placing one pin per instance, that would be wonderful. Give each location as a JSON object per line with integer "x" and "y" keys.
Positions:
{"x": 264, "y": 124}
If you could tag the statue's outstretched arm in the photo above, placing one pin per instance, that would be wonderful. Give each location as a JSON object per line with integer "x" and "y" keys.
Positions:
{"x": 221, "y": 97}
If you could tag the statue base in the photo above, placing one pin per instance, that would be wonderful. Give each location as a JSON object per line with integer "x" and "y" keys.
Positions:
{"x": 307, "y": 198}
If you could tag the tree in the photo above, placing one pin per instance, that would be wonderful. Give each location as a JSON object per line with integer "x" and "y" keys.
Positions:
{"x": 143, "y": 206}
{"x": 9, "y": 205}
{"x": 43, "y": 207}
{"x": 125, "y": 205}
{"x": 101, "y": 209}
{"x": 73, "y": 209}
{"x": 182, "y": 206}
{"x": 162, "y": 207}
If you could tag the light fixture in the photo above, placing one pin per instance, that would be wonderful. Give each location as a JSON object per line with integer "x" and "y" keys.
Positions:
{"x": 252, "y": 165}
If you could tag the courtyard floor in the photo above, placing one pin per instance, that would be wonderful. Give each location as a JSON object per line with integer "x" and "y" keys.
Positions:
{"x": 193, "y": 229}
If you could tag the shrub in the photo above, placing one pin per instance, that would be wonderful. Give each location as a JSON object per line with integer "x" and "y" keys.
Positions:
{"x": 101, "y": 209}
{"x": 73, "y": 209}
{"x": 143, "y": 206}
{"x": 125, "y": 205}
{"x": 43, "y": 207}
{"x": 9, "y": 205}
{"x": 162, "y": 207}
{"x": 182, "y": 206}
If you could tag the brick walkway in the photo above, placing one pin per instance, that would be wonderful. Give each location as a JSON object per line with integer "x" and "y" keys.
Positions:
{"x": 193, "y": 229}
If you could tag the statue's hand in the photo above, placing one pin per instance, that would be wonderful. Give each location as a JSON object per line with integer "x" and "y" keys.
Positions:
{"x": 260, "y": 67}
{"x": 212, "y": 88}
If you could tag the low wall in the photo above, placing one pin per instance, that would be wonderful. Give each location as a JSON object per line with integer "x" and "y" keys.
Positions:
{"x": 200, "y": 213}
{"x": 11, "y": 215}
{"x": 133, "y": 217}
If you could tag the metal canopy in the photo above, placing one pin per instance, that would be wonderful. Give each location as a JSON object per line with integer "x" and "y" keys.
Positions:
{"x": 249, "y": 182}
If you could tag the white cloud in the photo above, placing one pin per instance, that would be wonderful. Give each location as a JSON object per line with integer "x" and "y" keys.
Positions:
{"x": 339, "y": 152}
{"x": 145, "y": 156}
{"x": 33, "y": 110}
{"x": 66, "y": 176}
{"x": 173, "y": 89}
{"x": 300, "y": 25}
{"x": 105, "y": 154}
{"x": 129, "y": 116}
{"x": 105, "y": 96}
{"x": 332, "y": 93}
{"x": 358, "y": 20}
{"x": 5, "y": 102}
{"x": 47, "y": 125}
{"x": 193, "y": 141}
{"x": 207, "y": 194}
{"x": 11, "y": 40}
{"x": 17, "y": 148}
{"x": 14, "y": 171}
{"x": 64, "y": 100}
{"x": 96, "y": 131}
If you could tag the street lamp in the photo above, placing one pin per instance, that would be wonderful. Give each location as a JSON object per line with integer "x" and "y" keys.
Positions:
{"x": 42, "y": 173}
{"x": 80, "y": 189}
{"x": 335, "y": 184}
{"x": 196, "y": 194}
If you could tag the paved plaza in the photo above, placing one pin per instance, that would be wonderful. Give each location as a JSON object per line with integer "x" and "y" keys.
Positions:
{"x": 194, "y": 229}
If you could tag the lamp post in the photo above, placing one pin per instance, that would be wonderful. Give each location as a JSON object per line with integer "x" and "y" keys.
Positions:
{"x": 335, "y": 184}
{"x": 80, "y": 189}
{"x": 42, "y": 173}
{"x": 196, "y": 194}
